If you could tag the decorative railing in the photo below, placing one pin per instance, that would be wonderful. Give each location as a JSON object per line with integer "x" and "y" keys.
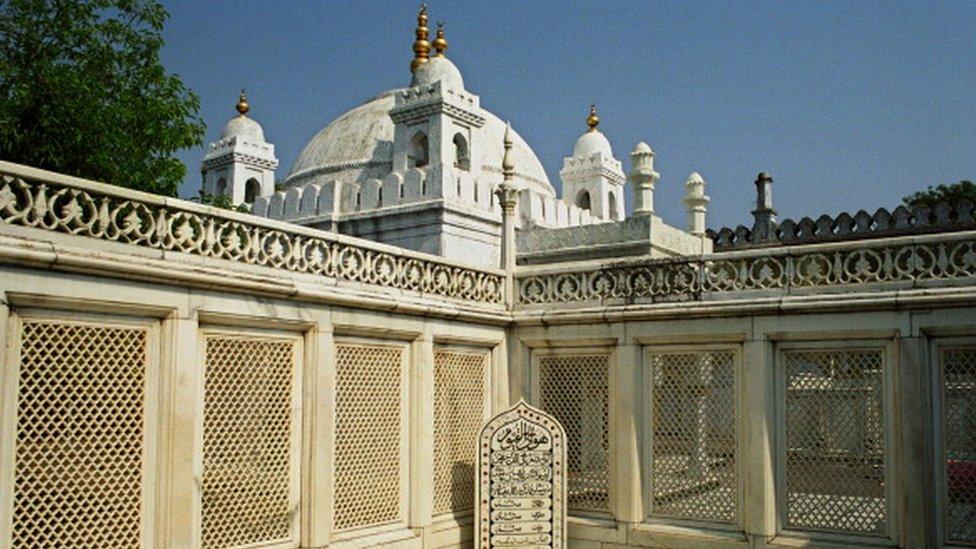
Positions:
{"x": 942, "y": 217}
{"x": 907, "y": 260}
{"x": 33, "y": 198}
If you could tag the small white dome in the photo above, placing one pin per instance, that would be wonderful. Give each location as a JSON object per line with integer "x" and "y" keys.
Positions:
{"x": 438, "y": 69}
{"x": 245, "y": 127}
{"x": 642, "y": 148}
{"x": 592, "y": 142}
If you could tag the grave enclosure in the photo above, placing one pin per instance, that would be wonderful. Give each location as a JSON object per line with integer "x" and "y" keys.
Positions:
{"x": 245, "y": 382}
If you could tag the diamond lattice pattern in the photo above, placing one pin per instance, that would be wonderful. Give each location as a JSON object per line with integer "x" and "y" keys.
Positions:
{"x": 573, "y": 388}
{"x": 693, "y": 467}
{"x": 368, "y": 435}
{"x": 247, "y": 441}
{"x": 959, "y": 409}
{"x": 835, "y": 440}
{"x": 459, "y": 403}
{"x": 80, "y": 430}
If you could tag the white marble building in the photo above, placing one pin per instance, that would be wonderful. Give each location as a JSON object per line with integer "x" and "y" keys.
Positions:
{"x": 418, "y": 167}
{"x": 177, "y": 375}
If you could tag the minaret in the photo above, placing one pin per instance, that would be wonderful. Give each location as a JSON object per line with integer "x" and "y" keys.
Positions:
{"x": 436, "y": 123}
{"x": 592, "y": 178}
{"x": 421, "y": 47}
{"x": 241, "y": 164}
{"x": 643, "y": 177}
{"x": 695, "y": 203}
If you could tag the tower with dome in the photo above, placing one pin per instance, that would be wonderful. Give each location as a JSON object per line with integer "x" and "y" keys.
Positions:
{"x": 418, "y": 167}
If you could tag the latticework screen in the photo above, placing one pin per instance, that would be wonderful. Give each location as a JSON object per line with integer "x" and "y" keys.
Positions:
{"x": 80, "y": 436}
{"x": 573, "y": 388}
{"x": 835, "y": 440}
{"x": 459, "y": 411}
{"x": 959, "y": 442}
{"x": 248, "y": 429}
{"x": 693, "y": 466}
{"x": 368, "y": 435}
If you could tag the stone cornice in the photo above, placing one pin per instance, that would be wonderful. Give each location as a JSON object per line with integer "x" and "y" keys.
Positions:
{"x": 413, "y": 112}
{"x": 589, "y": 173}
{"x": 231, "y": 157}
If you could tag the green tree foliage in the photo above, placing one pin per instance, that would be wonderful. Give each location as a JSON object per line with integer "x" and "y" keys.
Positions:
{"x": 222, "y": 201}
{"x": 953, "y": 193}
{"x": 82, "y": 91}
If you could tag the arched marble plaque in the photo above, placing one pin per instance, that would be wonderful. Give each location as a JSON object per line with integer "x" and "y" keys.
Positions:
{"x": 521, "y": 484}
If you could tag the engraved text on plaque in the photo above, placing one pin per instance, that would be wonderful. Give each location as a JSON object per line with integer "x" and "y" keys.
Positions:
{"x": 521, "y": 485}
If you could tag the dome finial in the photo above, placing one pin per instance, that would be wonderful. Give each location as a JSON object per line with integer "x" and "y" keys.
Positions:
{"x": 440, "y": 43}
{"x": 242, "y": 106}
{"x": 421, "y": 47}
{"x": 593, "y": 120}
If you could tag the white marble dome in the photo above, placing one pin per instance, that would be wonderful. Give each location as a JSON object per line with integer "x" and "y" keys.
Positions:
{"x": 242, "y": 126}
{"x": 359, "y": 145}
{"x": 591, "y": 142}
{"x": 438, "y": 69}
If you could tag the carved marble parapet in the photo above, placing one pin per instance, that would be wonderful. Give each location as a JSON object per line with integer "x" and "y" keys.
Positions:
{"x": 943, "y": 217}
{"x": 909, "y": 260}
{"x": 36, "y": 199}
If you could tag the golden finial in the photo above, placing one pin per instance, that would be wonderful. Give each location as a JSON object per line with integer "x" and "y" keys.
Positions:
{"x": 242, "y": 106}
{"x": 593, "y": 120}
{"x": 421, "y": 47}
{"x": 440, "y": 43}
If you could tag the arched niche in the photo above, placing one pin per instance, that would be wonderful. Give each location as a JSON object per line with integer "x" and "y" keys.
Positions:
{"x": 252, "y": 190}
{"x": 583, "y": 200}
{"x": 462, "y": 155}
{"x": 419, "y": 150}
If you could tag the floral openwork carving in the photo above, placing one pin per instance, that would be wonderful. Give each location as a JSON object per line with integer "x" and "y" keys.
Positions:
{"x": 159, "y": 224}
{"x": 930, "y": 258}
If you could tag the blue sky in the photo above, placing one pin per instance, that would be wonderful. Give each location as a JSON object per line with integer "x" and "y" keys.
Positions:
{"x": 848, "y": 104}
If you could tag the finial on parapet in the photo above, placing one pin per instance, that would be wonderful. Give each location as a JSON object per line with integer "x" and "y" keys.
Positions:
{"x": 696, "y": 202}
{"x": 421, "y": 47}
{"x": 507, "y": 193}
{"x": 508, "y": 167}
{"x": 242, "y": 105}
{"x": 764, "y": 228}
{"x": 440, "y": 43}
{"x": 593, "y": 120}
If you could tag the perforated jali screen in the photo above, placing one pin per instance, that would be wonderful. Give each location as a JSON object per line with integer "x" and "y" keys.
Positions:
{"x": 248, "y": 428}
{"x": 835, "y": 440}
{"x": 693, "y": 469}
{"x": 573, "y": 388}
{"x": 959, "y": 442}
{"x": 80, "y": 436}
{"x": 368, "y": 419}
{"x": 459, "y": 410}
